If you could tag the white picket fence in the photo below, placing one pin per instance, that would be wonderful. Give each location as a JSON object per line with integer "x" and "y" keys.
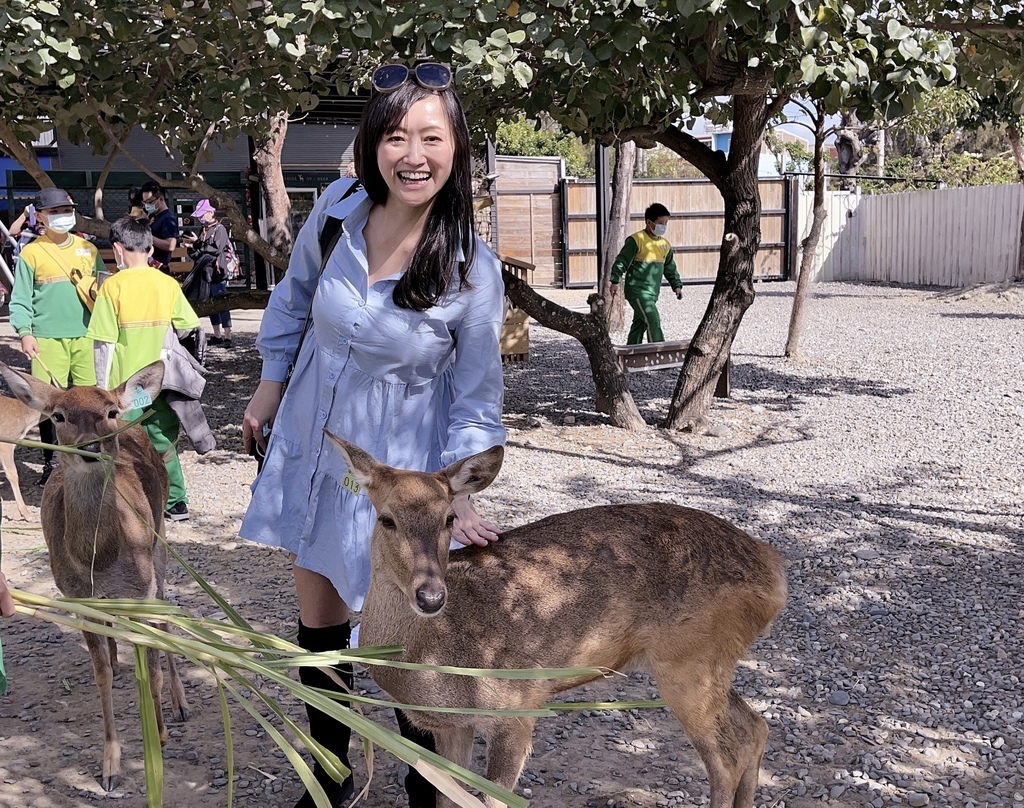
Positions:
{"x": 953, "y": 237}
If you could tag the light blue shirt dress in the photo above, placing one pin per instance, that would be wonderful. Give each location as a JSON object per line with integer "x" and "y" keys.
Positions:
{"x": 417, "y": 390}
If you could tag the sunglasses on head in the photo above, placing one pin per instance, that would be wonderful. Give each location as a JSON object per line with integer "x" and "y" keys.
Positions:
{"x": 429, "y": 75}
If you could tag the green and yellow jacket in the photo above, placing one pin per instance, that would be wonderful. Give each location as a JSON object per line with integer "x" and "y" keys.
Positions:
{"x": 44, "y": 302}
{"x": 644, "y": 259}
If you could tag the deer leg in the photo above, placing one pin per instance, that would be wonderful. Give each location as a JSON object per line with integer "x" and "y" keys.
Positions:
{"x": 756, "y": 729}
{"x": 11, "y": 471}
{"x": 179, "y": 704}
{"x": 454, "y": 744}
{"x": 156, "y": 686}
{"x": 99, "y": 652}
{"x": 508, "y": 745}
{"x": 726, "y": 733}
{"x": 115, "y": 666}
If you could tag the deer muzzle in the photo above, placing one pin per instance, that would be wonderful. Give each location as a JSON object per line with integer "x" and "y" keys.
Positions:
{"x": 430, "y": 599}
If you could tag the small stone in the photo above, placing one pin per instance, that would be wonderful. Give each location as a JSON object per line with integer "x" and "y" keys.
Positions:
{"x": 839, "y": 698}
{"x": 867, "y": 554}
{"x": 918, "y": 799}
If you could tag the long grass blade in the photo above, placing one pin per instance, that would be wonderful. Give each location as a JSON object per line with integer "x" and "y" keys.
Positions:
{"x": 303, "y": 770}
{"x": 228, "y": 743}
{"x": 152, "y": 751}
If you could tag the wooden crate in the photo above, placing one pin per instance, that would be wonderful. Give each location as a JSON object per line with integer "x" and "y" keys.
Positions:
{"x": 515, "y": 336}
{"x": 515, "y": 332}
{"x": 671, "y": 354}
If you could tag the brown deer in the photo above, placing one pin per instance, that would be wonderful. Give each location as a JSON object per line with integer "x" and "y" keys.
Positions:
{"x": 15, "y": 421}
{"x": 672, "y": 590}
{"x": 101, "y": 524}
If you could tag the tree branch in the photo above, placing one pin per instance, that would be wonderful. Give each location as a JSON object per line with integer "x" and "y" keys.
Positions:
{"x": 710, "y": 163}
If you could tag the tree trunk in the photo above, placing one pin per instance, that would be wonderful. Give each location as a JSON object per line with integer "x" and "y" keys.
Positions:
{"x": 278, "y": 210}
{"x": 1013, "y": 135}
{"x": 609, "y": 379}
{"x": 618, "y": 225}
{"x": 810, "y": 244}
{"x": 733, "y": 292}
{"x": 25, "y": 155}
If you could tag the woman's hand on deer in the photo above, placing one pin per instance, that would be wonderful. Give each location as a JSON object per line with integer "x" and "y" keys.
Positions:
{"x": 261, "y": 412}
{"x": 471, "y": 527}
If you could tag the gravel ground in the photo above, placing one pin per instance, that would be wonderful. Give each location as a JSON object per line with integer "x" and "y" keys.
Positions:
{"x": 885, "y": 465}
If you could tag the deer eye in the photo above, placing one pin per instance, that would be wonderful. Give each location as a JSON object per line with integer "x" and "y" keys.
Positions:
{"x": 112, "y": 415}
{"x": 386, "y": 522}
{"x": 450, "y": 521}
{"x": 57, "y": 417}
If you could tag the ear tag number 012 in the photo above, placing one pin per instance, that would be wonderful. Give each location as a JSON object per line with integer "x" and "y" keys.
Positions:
{"x": 141, "y": 398}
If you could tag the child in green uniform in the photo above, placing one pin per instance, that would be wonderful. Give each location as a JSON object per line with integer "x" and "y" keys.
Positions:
{"x": 644, "y": 259}
{"x": 134, "y": 309}
{"x": 46, "y": 311}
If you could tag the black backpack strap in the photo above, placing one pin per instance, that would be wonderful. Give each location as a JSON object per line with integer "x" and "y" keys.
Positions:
{"x": 329, "y": 239}
{"x": 331, "y": 231}
{"x": 330, "y": 234}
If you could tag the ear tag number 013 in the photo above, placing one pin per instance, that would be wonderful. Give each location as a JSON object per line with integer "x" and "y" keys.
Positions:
{"x": 349, "y": 482}
{"x": 141, "y": 399}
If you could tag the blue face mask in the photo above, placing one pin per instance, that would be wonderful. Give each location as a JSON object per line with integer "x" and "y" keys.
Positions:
{"x": 660, "y": 229}
{"x": 149, "y": 207}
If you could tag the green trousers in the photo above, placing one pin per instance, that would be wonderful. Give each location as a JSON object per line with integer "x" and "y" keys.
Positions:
{"x": 66, "y": 358}
{"x": 646, "y": 319}
{"x": 163, "y": 427}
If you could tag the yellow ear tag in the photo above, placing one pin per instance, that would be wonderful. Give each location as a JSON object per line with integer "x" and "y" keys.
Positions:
{"x": 349, "y": 481}
{"x": 141, "y": 398}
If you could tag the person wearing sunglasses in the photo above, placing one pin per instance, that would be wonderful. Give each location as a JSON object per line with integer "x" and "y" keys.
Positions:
{"x": 400, "y": 357}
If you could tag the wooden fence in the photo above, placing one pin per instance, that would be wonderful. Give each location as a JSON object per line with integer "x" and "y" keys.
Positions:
{"x": 695, "y": 229}
{"x": 550, "y": 221}
{"x": 952, "y": 237}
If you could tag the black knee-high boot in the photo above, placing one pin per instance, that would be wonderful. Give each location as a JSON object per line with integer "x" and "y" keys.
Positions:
{"x": 422, "y": 793}
{"x": 327, "y": 731}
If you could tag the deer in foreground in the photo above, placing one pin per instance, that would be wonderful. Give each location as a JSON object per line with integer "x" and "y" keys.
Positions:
{"x": 15, "y": 421}
{"x": 102, "y": 533}
{"x": 672, "y": 590}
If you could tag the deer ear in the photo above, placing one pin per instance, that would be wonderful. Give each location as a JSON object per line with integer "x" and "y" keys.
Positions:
{"x": 32, "y": 392}
{"x": 474, "y": 473}
{"x": 360, "y": 463}
{"x": 150, "y": 379}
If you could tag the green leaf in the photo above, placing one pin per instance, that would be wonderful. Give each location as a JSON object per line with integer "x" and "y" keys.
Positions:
{"x": 809, "y": 69}
{"x": 522, "y": 73}
{"x": 517, "y": 37}
{"x": 47, "y": 8}
{"x": 896, "y": 30}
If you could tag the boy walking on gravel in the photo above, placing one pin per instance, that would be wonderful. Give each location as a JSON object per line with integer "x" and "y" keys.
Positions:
{"x": 644, "y": 259}
{"x": 134, "y": 309}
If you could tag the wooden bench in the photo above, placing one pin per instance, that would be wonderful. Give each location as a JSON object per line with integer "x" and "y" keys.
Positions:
{"x": 515, "y": 332}
{"x": 180, "y": 263}
{"x": 660, "y": 355}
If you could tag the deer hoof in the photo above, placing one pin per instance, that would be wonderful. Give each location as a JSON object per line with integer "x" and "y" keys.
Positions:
{"x": 181, "y": 714}
{"x": 111, "y": 782}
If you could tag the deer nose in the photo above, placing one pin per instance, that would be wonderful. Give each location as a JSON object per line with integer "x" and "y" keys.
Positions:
{"x": 95, "y": 446}
{"x": 430, "y": 601}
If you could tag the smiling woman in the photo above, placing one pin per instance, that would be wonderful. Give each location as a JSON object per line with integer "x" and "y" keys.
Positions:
{"x": 393, "y": 336}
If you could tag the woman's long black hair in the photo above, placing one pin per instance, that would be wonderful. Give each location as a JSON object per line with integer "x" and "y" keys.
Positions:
{"x": 450, "y": 223}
